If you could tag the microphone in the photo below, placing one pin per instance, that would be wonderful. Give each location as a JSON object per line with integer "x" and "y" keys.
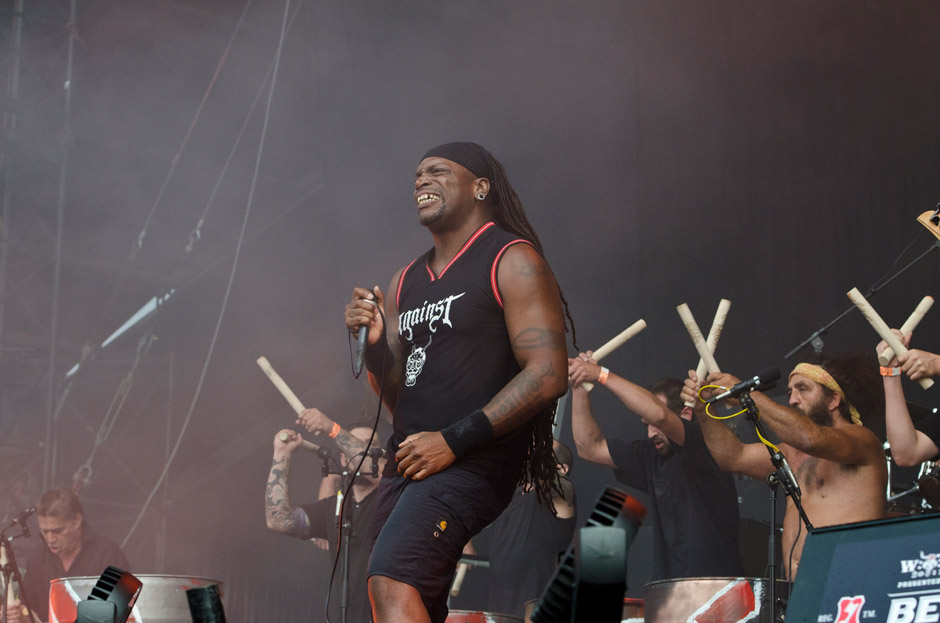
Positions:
{"x": 360, "y": 349}
{"x": 361, "y": 343}
{"x": 377, "y": 453}
{"x": 766, "y": 379}
{"x": 21, "y": 519}
{"x": 781, "y": 462}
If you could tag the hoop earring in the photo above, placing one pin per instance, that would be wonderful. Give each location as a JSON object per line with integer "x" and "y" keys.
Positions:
{"x": 481, "y": 196}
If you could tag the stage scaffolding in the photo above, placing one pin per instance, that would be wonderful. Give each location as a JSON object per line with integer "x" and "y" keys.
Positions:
{"x": 50, "y": 420}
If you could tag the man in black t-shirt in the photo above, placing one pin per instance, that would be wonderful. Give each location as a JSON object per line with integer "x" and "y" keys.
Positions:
{"x": 71, "y": 549}
{"x": 526, "y": 541}
{"x": 319, "y": 519}
{"x": 469, "y": 351}
{"x": 693, "y": 503}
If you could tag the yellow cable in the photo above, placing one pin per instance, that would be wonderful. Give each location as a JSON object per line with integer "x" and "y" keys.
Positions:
{"x": 728, "y": 417}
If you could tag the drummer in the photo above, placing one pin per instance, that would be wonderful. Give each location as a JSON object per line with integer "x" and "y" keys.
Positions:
{"x": 693, "y": 503}
{"x": 910, "y": 445}
{"x": 71, "y": 549}
{"x": 838, "y": 463}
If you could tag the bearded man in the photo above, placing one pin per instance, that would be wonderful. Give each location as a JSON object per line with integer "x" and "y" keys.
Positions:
{"x": 693, "y": 505}
{"x": 838, "y": 463}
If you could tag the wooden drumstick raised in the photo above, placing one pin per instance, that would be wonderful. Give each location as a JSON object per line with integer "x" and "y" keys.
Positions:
{"x": 881, "y": 327}
{"x": 280, "y": 384}
{"x": 306, "y": 445}
{"x": 695, "y": 333}
{"x": 614, "y": 344}
{"x": 712, "y": 340}
{"x": 909, "y": 325}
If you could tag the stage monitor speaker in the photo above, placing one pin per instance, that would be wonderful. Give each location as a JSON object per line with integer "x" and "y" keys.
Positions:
{"x": 96, "y": 612}
{"x": 590, "y": 580}
{"x": 116, "y": 588}
{"x": 886, "y": 570}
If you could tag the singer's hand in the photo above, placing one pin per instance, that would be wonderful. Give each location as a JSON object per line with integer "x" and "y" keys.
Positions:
{"x": 423, "y": 454}
{"x": 361, "y": 311}
{"x": 583, "y": 369}
{"x": 282, "y": 448}
{"x": 315, "y": 421}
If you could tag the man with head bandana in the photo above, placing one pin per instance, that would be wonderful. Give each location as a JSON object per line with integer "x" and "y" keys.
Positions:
{"x": 838, "y": 463}
{"x": 468, "y": 349}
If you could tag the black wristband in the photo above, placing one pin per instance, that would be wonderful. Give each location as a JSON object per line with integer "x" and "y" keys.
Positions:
{"x": 466, "y": 434}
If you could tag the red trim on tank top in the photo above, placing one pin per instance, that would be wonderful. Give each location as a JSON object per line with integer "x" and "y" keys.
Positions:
{"x": 401, "y": 280}
{"x": 463, "y": 249}
{"x": 499, "y": 299}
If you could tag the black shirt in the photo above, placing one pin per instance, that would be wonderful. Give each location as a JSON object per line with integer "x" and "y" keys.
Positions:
{"x": 96, "y": 554}
{"x": 452, "y": 329}
{"x": 322, "y": 516}
{"x": 930, "y": 426}
{"x": 527, "y": 540}
{"x": 693, "y": 505}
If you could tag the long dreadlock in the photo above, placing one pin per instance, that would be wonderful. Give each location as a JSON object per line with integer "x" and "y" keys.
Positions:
{"x": 508, "y": 213}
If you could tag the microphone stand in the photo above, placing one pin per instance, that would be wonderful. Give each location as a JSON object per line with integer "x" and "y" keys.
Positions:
{"x": 345, "y": 527}
{"x": 781, "y": 475}
{"x": 772, "y": 483}
{"x": 816, "y": 338}
{"x": 11, "y": 573}
{"x": 347, "y": 515}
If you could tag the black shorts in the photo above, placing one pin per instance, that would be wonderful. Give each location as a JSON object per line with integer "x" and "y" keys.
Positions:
{"x": 421, "y": 527}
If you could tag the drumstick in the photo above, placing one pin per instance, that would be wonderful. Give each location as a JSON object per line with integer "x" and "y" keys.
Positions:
{"x": 695, "y": 333}
{"x": 882, "y": 328}
{"x": 909, "y": 325}
{"x": 458, "y": 579}
{"x": 712, "y": 341}
{"x": 280, "y": 384}
{"x": 306, "y": 445}
{"x": 614, "y": 344}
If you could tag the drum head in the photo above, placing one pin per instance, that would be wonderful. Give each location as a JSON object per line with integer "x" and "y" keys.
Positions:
{"x": 706, "y": 599}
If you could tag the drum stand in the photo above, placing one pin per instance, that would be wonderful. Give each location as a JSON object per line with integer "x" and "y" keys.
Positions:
{"x": 782, "y": 475}
{"x": 11, "y": 572}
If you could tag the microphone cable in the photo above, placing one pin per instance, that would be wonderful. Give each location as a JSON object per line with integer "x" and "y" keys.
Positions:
{"x": 355, "y": 475}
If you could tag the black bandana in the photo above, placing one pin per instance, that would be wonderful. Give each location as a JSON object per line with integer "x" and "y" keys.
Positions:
{"x": 469, "y": 155}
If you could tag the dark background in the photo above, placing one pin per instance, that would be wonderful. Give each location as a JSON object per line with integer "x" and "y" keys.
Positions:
{"x": 775, "y": 154}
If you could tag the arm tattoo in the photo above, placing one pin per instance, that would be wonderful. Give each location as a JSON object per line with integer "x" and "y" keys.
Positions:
{"x": 538, "y": 338}
{"x": 281, "y": 516}
{"x": 350, "y": 446}
{"x": 519, "y": 398}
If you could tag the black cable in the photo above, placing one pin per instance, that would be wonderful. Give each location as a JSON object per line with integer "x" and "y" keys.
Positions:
{"x": 352, "y": 481}
{"x": 877, "y": 284}
{"x": 799, "y": 531}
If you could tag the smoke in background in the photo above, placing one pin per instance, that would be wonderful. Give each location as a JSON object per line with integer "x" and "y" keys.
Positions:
{"x": 668, "y": 152}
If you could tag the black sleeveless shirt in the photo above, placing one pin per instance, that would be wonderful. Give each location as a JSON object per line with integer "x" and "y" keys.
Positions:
{"x": 453, "y": 333}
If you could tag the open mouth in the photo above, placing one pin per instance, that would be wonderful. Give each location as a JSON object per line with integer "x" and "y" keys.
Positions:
{"x": 426, "y": 198}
